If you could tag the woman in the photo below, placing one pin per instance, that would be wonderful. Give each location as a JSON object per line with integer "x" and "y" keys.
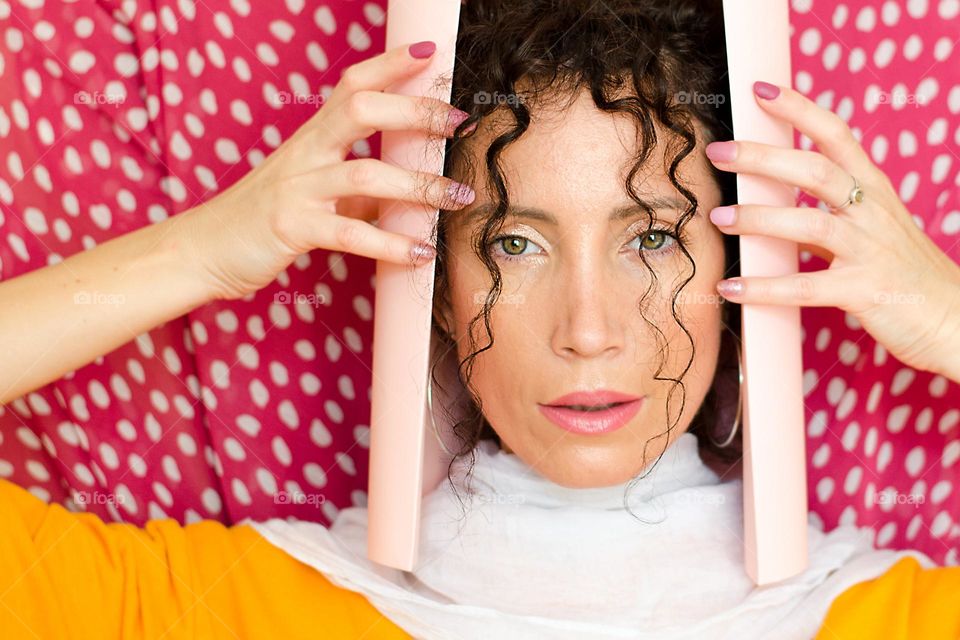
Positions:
{"x": 593, "y": 521}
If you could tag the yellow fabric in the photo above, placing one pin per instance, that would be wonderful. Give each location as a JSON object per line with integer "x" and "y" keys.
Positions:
{"x": 906, "y": 602}
{"x": 70, "y": 575}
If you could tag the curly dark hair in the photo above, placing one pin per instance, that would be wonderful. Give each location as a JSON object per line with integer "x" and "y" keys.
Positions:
{"x": 639, "y": 57}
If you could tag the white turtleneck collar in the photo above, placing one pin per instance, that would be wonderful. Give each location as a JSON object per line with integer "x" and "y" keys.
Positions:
{"x": 526, "y": 558}
{"x": 499, "y": 472}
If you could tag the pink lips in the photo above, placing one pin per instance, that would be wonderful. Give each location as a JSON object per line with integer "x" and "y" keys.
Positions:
{"x": 592, "y": 422}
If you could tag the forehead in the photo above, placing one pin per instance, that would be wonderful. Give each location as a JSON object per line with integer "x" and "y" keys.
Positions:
{"x": 574, "y": 157}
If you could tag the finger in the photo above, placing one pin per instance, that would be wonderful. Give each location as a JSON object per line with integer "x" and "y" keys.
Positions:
{"x": 812, "y": 171}
{"x": 807, "y": 226}
{"x": 825, "y": 128}
{"x": 808, "y": 289}
{"x": 366, "y": 112}
{"x": 381, "y": 71}
{"x": 378, "y": 179}
{"x": 363, "y": 239}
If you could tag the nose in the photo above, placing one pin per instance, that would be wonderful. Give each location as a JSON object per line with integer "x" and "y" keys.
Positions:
{"x": 590, "y": 311}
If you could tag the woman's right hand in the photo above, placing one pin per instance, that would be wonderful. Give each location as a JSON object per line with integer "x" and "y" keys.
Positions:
{"x": 306, "y": 196}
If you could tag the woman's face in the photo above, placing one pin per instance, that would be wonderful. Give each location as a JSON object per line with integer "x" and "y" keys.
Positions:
{"x": 568, "y": 316}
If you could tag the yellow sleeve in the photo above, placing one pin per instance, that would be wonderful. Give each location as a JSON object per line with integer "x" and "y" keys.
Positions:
{"x": 906, "y": 602}
{"x": 70, "y": 575}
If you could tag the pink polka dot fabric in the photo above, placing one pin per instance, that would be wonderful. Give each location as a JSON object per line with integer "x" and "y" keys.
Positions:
{"x": 884, "y": 439}
{"x": 118, "y": 114}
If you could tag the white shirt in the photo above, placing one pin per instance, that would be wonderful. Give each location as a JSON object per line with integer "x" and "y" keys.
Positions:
{"x": 527, "y": 558}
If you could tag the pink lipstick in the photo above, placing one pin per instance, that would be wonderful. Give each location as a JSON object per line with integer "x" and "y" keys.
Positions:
{"x": 592, "y": 412}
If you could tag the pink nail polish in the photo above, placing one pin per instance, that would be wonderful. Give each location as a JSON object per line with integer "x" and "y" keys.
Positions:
{"x": 461, "y": 193}
{"x": 722, "y": 216}
{"x": 422, "y": 252}
{"x": 722, "y": 151}
{"x": 455, "y": 117}
{"x": 731, "y": 287}
{"x": 423, "y": 49}
{"x": 766, "y": 90}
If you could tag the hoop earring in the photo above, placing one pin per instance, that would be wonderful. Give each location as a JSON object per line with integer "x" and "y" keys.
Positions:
{"x": 436, "y": 430}
{"x": 736, "y": 420}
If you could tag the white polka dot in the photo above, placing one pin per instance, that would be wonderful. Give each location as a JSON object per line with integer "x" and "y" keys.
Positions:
{"x": 240, "y": 492}
{"x": 81, "y": 61}
{"x": 138, "y": 466}
{"x": 83, "y": 27}
{"x": 171, "y": 468}
{"x": 915, "y": 461}
{"x": 884, "y": 53}
{"x": 227, "y": 151}
{"x": 856, "y": 60}
{"x": 941, "y": 524}
{"x": 126, "y": 64}
{"x": 908, "y": 187}
{"x": 912, "y": 47}
{"x": 234, "y": 449}
{"x": 187, "y": 444}
{"x": 315, "y": 475}
{"x": 346, "y": 463}
{"x": 824, "y": 489}
{"x": 211, "y": 500}
{"x": 281, "y": 451}
{"x": 810, "y": 41}
{"x": 37, "y": 470}
{"x": 259, "y": 393}
{"x": 125, "y": 499}
{"x": 248, "y": 424}
{"x": 948, "y": 9}
{"x": 109, "y": 456}
{"x": 310, "y": 384}
{"x": 282, "y": 30}
{"x": 267, "y": 481}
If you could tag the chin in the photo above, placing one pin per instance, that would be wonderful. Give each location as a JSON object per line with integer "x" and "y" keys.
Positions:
{"x": 576, "y": 465}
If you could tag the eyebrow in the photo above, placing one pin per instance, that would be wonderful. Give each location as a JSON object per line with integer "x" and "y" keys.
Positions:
{"x": 657, "y": 203}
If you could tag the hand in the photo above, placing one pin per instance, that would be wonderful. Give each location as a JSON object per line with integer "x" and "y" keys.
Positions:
{"x": 883, "y": 269}
{"x": 306, "y": 196}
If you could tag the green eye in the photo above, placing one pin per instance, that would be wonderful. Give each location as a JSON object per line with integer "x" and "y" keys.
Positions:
{"x": 653, "y": 240}
{"x": 513, "y": 245}
{"x": 657, "y": 241}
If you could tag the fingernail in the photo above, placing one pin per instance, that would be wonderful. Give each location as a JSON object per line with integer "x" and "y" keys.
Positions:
{"x": 422, "y": 252}
{"x": 766, "y": 90}
{"x": 731, "y": 287}
{"x": 423, "y": 49}
{"x": 722, "y": 216}
{"x": 722, "y": 151}
{"x": 455, "y": 117}
{"x": 461, "y": 193}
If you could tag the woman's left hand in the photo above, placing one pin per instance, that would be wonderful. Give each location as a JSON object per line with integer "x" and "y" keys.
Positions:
{"x": 884, "y": 270}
